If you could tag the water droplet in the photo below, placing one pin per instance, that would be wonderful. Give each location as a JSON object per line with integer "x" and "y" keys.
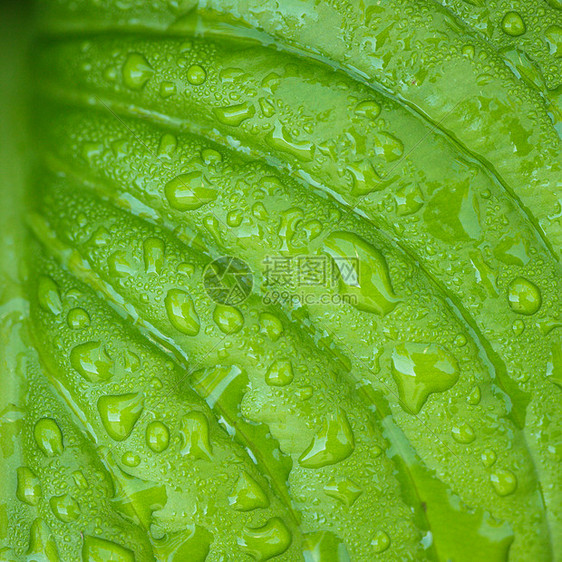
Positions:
{"x": 195, "y": 436}
{"x": 181, "y": 312}
{"x": 504, "y": 482}
{"x": 167, "y": 146}
{"x": 267, "y": 107}
{"x": 28, "y": 487}
{"x": 513, "y": 250}
{"x": 95, "y": 549}
{"x": 324, "y": 546}
{"x": 365, "y": 178}
{"x": 270, "y": 326}
{"x": 380, "y": 542}
{"x": 518, "y": 327}
{"x": 344, "y": 490}
{"x": 488, "y": 457}
{"x": 280, "y": 373}
{"x": 463, "y": 433}
{"x": 553, "y": 36}
{"x": 409, "y": 200}
{"x": 153, "y": 255}
{"x": 524, "y": 297}
{"x": 554, "y": 366}
{"x": 119, "y": 413}
{"x": 475, "y": 396}
{"x": 167, "y": 89}
{"x": 420, "y": 369}
{"x": 247, "y": 494}
{"x": 229, "y": 319}
{"x": 513, "y": 24}
{"x": 364, "y": 275}
{"x": 42, "y": 544}
{"x": 388, "y": 146}
{"x": 196, "y": 75}
{"x": 78, "y": 319}
{"x": 48, "y": 437}
{"x": 211, "y": 156}
{"x": 267, "y": 541}
{"x": 130, "y": 458}
{"x": 49, "y": 296}
{"x": 234, "y": 218}
{"x": 157, "y": 436}
{"x": 234, "y": 115}
{"x": 281, "y": 139}
{"x": 65, "y": 508}
{"x": 368, "y": 108}
{"x": 136, "y": 71}
{"x": 191, "y": 544}
{"x": 333, "y": 443}
{"x": 92, "y": 362}
{"x": 120, "y": 264}
{"x": 188, "y": 192}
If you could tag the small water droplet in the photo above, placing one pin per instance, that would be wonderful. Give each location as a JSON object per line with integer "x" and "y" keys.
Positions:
{"x": 368, "y": 108}
{"x": 388, "y": 146}
{"x": 234, "y": 115}
{"x": 380, "y": 542}
{"x": 153, "y": 249}
{"x": 167, "y": 89}
{"x": 167, "y": 146}
{"x": 270, "y": 326}
{"x": 463, "y": 433}
{"x": 409, "y": 200}
{"x": 488, "y": 457}
{"x": 78, "y": 319}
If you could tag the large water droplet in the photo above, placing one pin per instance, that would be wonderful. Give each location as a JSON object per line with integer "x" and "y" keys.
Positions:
{"x": 420, "y": 369}
{"x": 120, "y": 264}
{"x": 65, "y": 508}
{"x": 78, "y": 319}
{"x": 48, "y": 437}
{"x": 504, "y": 482}
{"x": 136, "y": 71}
{"x": 153, "y": 255}
{"x": 196, "y": 75}
{"x": 280, "y": 373}
{"x": 388, "y": 146}
{"x": 409, "y": 200}
{"x": 463, "y": 433}
{"x": 365, "y": 178}
{"x": 380, "y": 542}
{"x": 28, "y": 488}
{"x": 247, "y": 494}
{"x": 228, "y": 319}
{"x": 263, "y": 543}
{"x": 49, "y": 296}
{"x": 364, "y": 275}
{"x": 344, "y": 490}
{"x": 524, "y": 297}
{"x": 234, "y": 115}
{"x": 181, "y": 312}
{"x": 190, "y": 191}
{"x": 324, "y": 546}
{"x": 119, "y": 413}
{"x": 92, "y": 362}
{"x": 157, "y": 436}
{"x": 332, "y": 444}
{"x": 42, "y": 544}
{"x": 280, "y": 139}
{"x": 95, "y": 549}
{"x": 368, "y": 108}
{"x": 270, "y": 326}
{"x": 195, "y": 436}
{"x": 513, "y": 24}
